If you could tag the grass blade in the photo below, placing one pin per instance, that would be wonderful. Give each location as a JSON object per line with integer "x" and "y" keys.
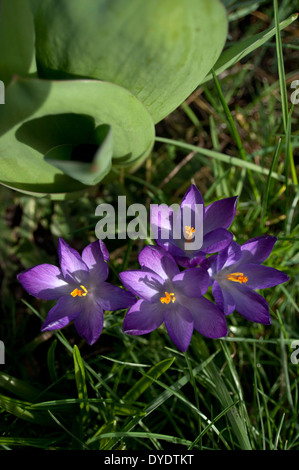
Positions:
{"x": 139, "y": 387}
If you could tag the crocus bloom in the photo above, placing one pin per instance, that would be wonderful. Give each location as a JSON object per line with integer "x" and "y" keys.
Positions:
{"x": 174, "y": 236}
{"x": 235, "y": 274}
{"x": 80, "y": 287}
{"x": 170, "y": 296}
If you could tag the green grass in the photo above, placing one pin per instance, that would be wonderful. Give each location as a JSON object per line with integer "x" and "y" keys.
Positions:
{"x": 235, "y": 135}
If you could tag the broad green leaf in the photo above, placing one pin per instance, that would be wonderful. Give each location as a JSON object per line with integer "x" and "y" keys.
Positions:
{"x": 159, "y": 50}
{"x": 89, "y": 173}
{"x": 17, "y": 54}
{"x": 145, "y": 382}
{"x": 40, "y": 115}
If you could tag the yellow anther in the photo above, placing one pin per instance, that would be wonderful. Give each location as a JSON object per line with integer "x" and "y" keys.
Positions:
{"x": 188, "y": 233}
{"x": 237, "y": 277}
{"x": 168, "y": 298}
{"x": 79, "y": 292}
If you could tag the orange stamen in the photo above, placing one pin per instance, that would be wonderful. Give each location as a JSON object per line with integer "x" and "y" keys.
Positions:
{"x": 79, "y": 292}
{"x": 168, "y": 298}
{"x": 237, "y": 277}
{"x": 188, "y": 233}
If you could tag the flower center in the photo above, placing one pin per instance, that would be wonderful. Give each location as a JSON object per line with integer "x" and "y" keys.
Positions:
{"x": 188, "y": 233}
{"x": 79, "y": 292}
{"x": 237, "y": 277}
{"x": 168, "y": 298}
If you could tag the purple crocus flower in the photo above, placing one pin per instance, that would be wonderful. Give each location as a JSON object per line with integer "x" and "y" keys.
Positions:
{"x": 235, "y": 274}
{"x": 80, "y": 287}
{"x": 170, "y": 296}
{"x": 173, "y": 235}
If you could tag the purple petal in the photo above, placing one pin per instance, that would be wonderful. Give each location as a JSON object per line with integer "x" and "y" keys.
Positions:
{"x": 216, "y": 240}
{"x": 209, "y": 320}
{"x": 143, "y": 317}
{"x": 73, "y": 268}
{"x": 261, "y": 277}
{"x": 191, "y": 214}
{"x": 66, "y": 309}
{"x": 44, "y": 281}
{"x": 144, "y": 284}
{"x": 179, "y": 324}
{"x": 229, "y": 256}
{"x": 93, "y": 257}
{"x": 89, "y": 323}
{"x": 250, "y": 304}
{"x": 192, "y": 197}
{"x": 192, "y": 262}
{"x": 210, "y": 265}
{"x": 104, "y": 251}
{"x": 158, "y": 261}
{"x": 172, "y": 248}
{"x": 172, "y": 242}
{"x": 192, "y": 282}
{"x": 161, "y": 220}
{"x": 220, "y": 214}
{"x": 111, "y": 297}
{"x": 223, "y": 299}
{"x": 257, "y": 249}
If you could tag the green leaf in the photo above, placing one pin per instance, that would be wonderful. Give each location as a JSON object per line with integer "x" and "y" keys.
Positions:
{"x": 22, "y": 410}
{"x": 235, "y": 53}
{"x": 125, "y": 410}
{"x": 42, "y": 442}
{"x": 142, "y": 384}
{"x": 141, "y": 435}
{"x": 16, "y": 39}
{"x": 109, "y": 427}
{"x": 159, "y": 50}
{"x": 85, "y": 172}
{"x": 51, "y": 361}
{"x": 81, "y": 383}
{"x": 158, "y": 401}
{"x": 18, "y": 387}
{"x": 222, "y": 158}
{"x": 212, "y": 380}
{"x": 40, "y": 115}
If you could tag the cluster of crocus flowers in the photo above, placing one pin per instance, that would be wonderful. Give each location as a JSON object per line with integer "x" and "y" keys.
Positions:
{"x": 176, "y": 297}
{"x": 172, "y": 281}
